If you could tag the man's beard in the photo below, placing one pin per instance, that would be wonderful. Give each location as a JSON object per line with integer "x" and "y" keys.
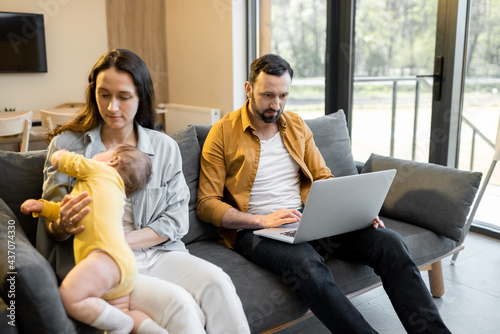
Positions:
{"x": 260, "y": 114}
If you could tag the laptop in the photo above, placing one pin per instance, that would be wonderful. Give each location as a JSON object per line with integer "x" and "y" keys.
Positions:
{"x": 335, "y": 206}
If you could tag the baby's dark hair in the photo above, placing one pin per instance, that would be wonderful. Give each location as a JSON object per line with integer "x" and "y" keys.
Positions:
{"x": 134, "y": 167}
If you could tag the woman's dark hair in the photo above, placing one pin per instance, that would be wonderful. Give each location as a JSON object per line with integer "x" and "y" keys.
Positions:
{"x": 122, "y": 60}
{"x": 270, "y": 64}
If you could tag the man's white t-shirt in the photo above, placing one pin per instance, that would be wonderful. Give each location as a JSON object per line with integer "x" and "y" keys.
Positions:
{"x": 277, "y": 183}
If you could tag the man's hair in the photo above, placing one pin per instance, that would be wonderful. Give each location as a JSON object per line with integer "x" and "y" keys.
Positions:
{"x": 270, "y": 64}
{"x": 134, "y": 167}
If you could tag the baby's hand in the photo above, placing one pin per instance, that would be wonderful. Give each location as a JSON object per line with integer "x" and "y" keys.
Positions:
{"x": 31, "y": 205}
{"x": 56, "y": 156}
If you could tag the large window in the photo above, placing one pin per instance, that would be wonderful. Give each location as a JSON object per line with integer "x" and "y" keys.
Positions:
{"x": 481, "y": 106}
{"x": 388, "y": 53}
{"x": 391, "y": 112}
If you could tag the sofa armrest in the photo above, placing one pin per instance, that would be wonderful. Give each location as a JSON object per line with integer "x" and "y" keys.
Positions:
{"x": 28, "y": 284}
{"x": 428, "y": 195}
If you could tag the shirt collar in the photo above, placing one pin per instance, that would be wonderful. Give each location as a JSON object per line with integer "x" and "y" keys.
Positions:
{"x": 143, "y": 141}
{"x": 93, "y": 135}
{"x": 245, "y": 116}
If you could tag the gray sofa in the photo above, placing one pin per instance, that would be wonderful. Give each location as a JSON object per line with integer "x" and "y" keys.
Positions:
{"x": 427, "y": 204}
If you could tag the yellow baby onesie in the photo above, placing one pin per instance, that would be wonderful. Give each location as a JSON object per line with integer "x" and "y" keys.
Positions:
{"x": 103, "y": 224}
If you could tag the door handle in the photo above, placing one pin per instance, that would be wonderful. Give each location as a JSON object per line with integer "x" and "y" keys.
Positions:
{"x": 438, "y": 77}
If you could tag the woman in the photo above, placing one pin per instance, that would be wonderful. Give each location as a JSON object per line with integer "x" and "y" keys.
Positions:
{"x": 182, "y": 293}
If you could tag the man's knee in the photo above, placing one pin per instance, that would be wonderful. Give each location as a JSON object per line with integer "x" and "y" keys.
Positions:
{"x": 392, "y": 240}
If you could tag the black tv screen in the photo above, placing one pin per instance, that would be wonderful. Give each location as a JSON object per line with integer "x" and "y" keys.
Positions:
{"x": 22, "y": 43}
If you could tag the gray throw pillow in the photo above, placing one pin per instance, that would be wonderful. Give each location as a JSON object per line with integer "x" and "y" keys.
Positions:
{"x": 22, "y": 178}
{"x": 187, "y": 140}
{"x": 428, "y": 195}
{"x": 332, "y": 139}
{"x": 33, "y": 287}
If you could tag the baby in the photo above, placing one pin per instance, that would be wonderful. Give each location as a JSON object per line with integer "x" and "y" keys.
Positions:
{"x": 105, "y": 265}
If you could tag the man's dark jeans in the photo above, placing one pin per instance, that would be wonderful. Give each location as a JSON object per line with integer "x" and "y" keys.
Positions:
{"x": 303, "y": 268}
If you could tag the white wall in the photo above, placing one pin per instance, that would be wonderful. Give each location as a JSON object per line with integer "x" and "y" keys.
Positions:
{"x": 200, "y": 56}
{"x": 205, "y": 53}
{"x": 76, "y": 36}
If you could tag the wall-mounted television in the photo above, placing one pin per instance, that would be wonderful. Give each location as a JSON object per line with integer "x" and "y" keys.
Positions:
{"x": 22, "y": 43}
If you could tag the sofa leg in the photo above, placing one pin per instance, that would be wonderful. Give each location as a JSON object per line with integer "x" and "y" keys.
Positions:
{"x": 436, "y": 279}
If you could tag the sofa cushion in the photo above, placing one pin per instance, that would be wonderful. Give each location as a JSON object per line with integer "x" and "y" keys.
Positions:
{"x": 423, "y": 244}
{"x": 202, "y": 133}
{"x": 187, "y": 140}
{"x": 428, "y": 195}
{"x": 267, "y": 301}
{"x": 33, "y": 288}
{"x": 22, "y": 178}
{"x": 332, "y": 139}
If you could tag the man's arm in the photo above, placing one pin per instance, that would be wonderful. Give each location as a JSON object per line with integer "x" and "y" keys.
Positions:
{"x": 235, "y": 219}
{"x": 211, "y": 203}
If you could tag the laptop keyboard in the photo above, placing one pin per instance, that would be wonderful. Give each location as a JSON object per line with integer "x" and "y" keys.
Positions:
{"x": 289, "y": 233}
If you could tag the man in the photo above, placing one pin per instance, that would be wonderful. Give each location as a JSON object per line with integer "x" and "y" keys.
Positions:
{"x": 257, "y": 167}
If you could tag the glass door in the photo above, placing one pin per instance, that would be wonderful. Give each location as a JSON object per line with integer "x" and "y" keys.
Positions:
{"x": 407, "y": 79}
{"x": 481, "y": 106}
{"x": 395, "y": 43}
{"x": 405, "y": 73}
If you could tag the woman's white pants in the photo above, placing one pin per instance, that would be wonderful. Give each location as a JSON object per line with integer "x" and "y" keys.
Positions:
{"x": 186, "y": 294}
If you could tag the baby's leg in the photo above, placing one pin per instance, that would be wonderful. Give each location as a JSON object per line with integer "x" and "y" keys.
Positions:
{"x": 143, "y": 324}
{"x": 83, "y": 287}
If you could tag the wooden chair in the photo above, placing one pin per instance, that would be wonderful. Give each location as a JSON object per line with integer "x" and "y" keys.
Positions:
{"x": 53, "y": 119}
{"x": 18, "y": 123}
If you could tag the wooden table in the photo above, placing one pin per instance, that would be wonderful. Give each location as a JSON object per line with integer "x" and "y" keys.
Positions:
{"x": 37, "y": 139}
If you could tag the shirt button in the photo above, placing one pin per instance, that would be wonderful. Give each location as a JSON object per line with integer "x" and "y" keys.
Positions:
{"x": 136, "y": 202}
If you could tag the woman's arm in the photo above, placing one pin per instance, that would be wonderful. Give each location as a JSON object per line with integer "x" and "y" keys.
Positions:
{"x": 163, "y": 205}
{"x": 143, "y": 238}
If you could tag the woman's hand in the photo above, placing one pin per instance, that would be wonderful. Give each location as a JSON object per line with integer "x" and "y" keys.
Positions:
{"x": 73, "y": 209}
